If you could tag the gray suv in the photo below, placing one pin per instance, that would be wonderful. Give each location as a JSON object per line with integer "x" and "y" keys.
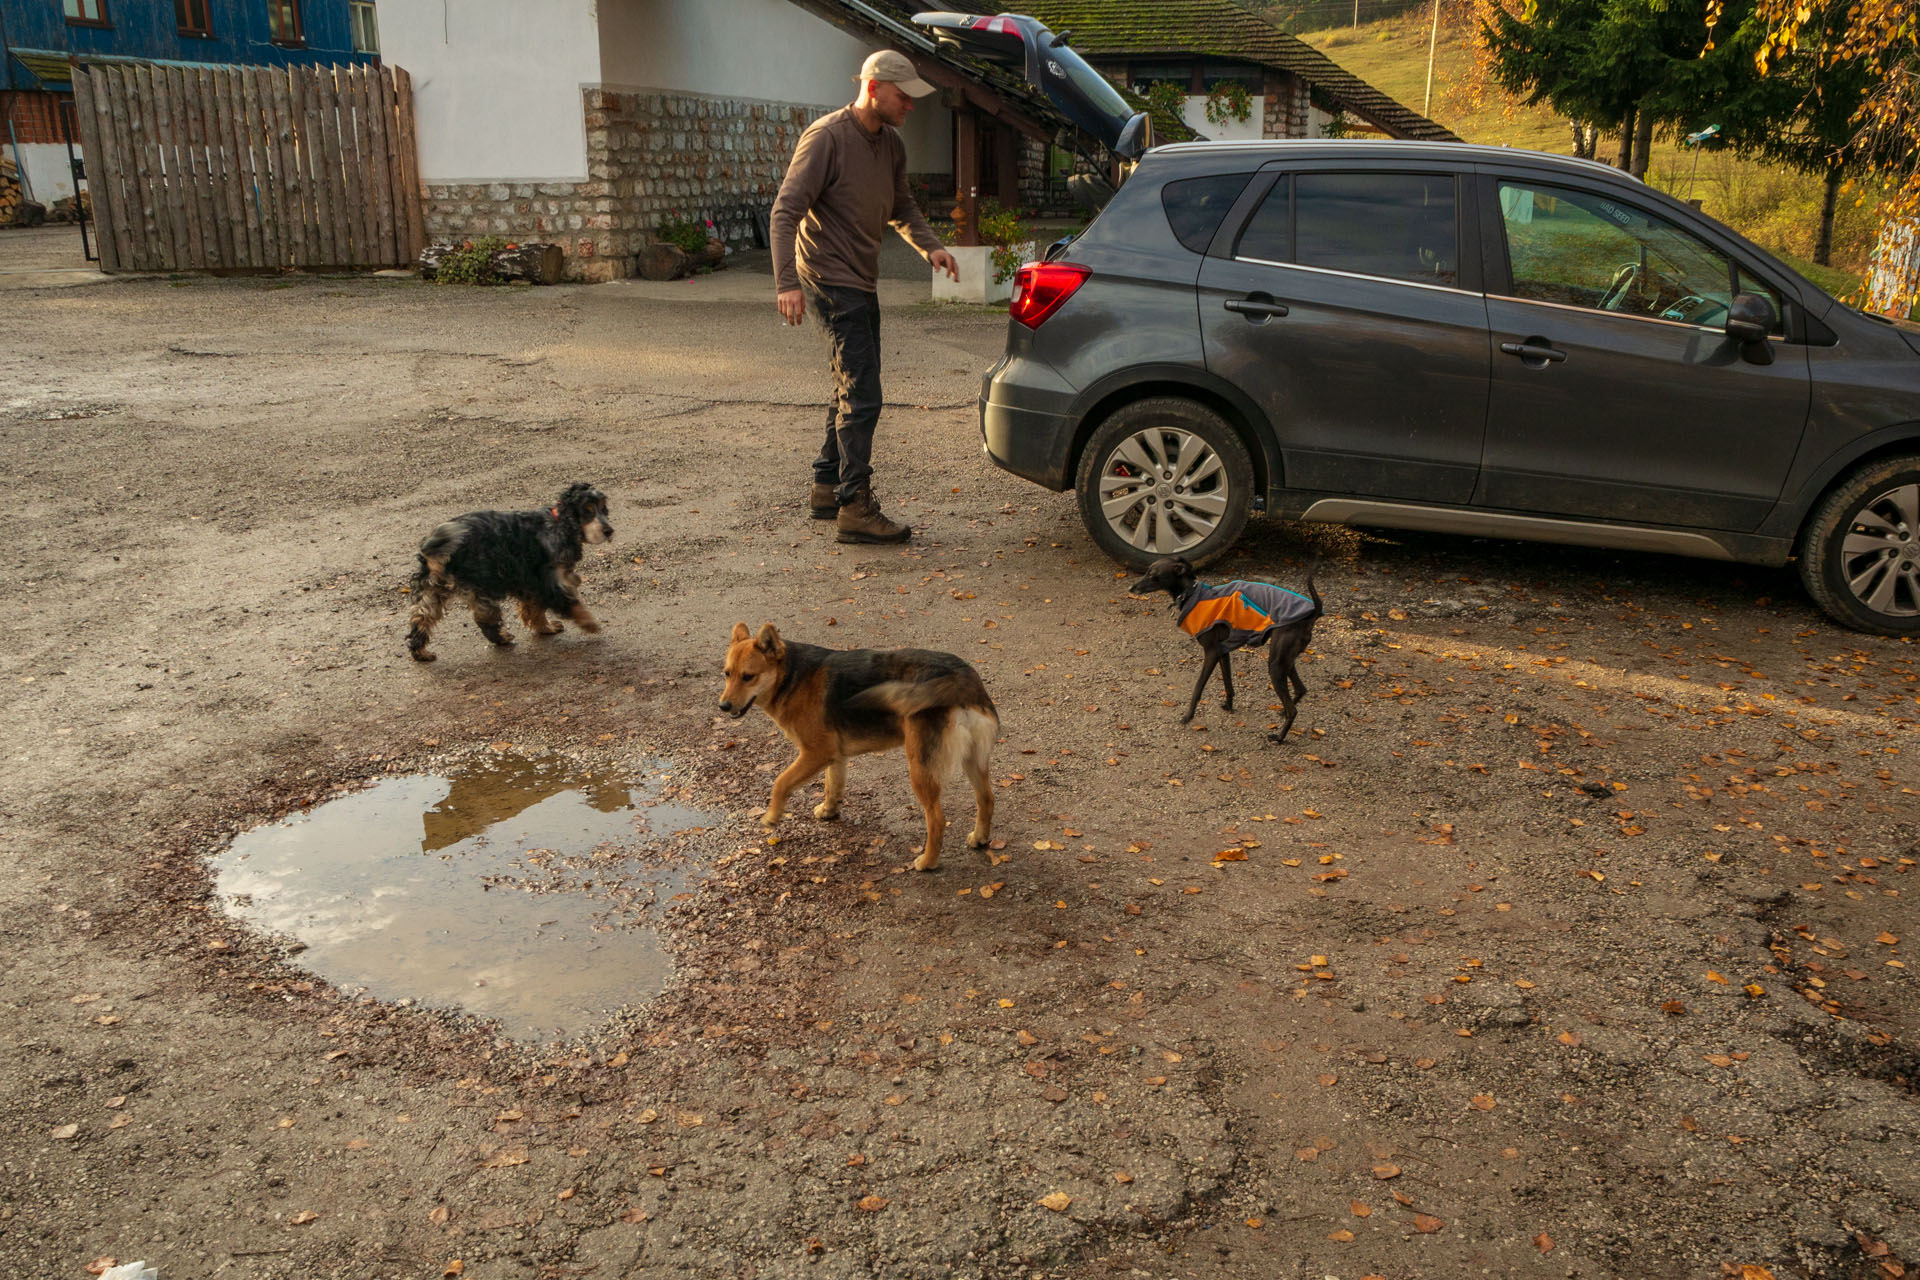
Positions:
{"x": 1464, "y": 339}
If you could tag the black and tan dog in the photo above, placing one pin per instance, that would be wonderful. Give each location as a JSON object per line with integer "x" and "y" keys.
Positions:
{"x": 528, "y": 556}
{"x": 836, "y": 703}
{"x": 1240, "y": 615}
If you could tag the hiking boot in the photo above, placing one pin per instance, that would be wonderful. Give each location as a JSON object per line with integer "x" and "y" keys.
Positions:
{"x": 824, "y": 501}
{"x": 861, "y": 521}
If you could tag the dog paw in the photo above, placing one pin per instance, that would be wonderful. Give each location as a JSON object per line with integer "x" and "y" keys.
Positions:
{"x": 927, "y": 862}
{"x": 423, "y": 655}
{"x": 769, "y": 819}
{"x": 979, "y": 839}
{"x": 826, "y": 813}
{"x": 1277, "y": 738}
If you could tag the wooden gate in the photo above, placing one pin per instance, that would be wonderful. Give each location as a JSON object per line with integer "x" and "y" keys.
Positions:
{"x": 236, "y": 168}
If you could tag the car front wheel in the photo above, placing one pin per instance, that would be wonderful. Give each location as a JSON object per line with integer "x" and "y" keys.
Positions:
{"x": 1165, "y": 477}
{"x": 1860, "y": 558}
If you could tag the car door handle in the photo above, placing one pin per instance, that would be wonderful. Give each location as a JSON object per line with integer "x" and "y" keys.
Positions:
{"x": 1529, "y": 351}
{"x": 1257, "y": 307}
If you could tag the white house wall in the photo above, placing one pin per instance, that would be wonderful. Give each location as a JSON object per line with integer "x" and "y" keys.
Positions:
{"x": 1194, "y": 115}
{"x": 767, "y": 50}
{"x": 496, "y": 85}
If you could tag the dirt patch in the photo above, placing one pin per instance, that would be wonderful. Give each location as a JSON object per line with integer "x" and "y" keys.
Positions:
{"x": 1556, "y": 936}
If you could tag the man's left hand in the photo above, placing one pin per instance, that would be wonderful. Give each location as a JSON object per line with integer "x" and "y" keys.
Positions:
{"x": 941, "y": 260}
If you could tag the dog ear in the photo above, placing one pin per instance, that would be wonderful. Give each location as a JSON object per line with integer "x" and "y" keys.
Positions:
{"x": 740, "y": 632}
{"x": 769, "y": 643}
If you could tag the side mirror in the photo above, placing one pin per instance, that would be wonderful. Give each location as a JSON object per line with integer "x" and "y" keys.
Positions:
{"x": 1750, "y": 318}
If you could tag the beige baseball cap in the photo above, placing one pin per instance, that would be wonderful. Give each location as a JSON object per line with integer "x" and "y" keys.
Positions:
{"x": 894, "y": 68}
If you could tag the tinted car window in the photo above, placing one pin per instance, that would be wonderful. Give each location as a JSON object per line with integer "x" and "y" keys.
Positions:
{"x": 1583, "y": 249}
{"x": 1268, "y": 234}
{"x": 1398, "y": 225}
{"x": 1195, "y": 206}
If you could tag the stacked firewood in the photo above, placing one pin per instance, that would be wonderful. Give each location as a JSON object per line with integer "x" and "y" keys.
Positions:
{"x": 10, "y": 196}
{"x": 15, "y": 208}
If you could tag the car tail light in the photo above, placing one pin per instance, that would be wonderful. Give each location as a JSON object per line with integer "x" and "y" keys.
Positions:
{"x": 1040, "y": 287}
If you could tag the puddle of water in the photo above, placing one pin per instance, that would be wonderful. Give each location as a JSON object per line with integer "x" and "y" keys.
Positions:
{"x": 397, "y": 890}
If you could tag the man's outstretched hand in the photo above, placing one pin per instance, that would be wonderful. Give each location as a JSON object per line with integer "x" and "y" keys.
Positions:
{"x": 941, "y": 260}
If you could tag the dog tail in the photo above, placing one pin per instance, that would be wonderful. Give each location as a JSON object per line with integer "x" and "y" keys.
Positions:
{"x": 1313, "y": 566}
{"x": 967, "y": 741}
{"x": 959, "y": 689}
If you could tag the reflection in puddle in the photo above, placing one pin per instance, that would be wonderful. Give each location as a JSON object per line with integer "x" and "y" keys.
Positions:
{"x": 398, "y": 889}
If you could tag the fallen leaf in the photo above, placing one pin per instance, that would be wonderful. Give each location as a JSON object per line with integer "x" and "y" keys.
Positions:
{"x": 1341, "y": 1236}
{"x": 872, "y": 1204}
{"x": 1328, "y": 1080}
{"x": 1056, "y": 1201}
{"x": 1426, "y": 1223}
{"x": 64, "y": 1132}
{"x": 1569, "y": 1039}
{"x": 1886, "y": 939}
{"x": 505, "y": 1159}
{"x": 1360, "y": 1210}
{"x": 302, "y": 1218}
{"x": 1543, "y": 1242}
{"x": 567, "y": 1194}
{"x": 437, "y": 1214}
{"x": 1748, "y": 1271}
{"x": 99, "y": 1265}
{"x": 454, "y": 1268}
{"x": 1122, "y": 1177}
{"x": 1483, "y": 1102}
{"x": 1385, "y": 1171}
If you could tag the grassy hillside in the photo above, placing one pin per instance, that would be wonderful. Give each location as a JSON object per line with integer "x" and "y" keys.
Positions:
{"x": 1776, "y": 208}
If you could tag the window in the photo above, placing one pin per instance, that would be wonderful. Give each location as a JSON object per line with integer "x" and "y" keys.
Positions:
{"x": 1584, "y": 249}
{"x": 1268, "y": 235}
{"x": 1215, "y": 74}
{"x": 192, "y": 18}
{"x": 1142, "y": 74}
{"x": 1396, "y": 225}
{"x": 87, "y": 13}
{"x": 366, "y": 28}
{"x": 1195, "y": 206}
{"x": 283, "y": 22}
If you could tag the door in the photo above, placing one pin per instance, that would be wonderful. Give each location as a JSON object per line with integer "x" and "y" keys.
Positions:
{"x": 1616, "y": 392}
{"x": 1340, "y": 309}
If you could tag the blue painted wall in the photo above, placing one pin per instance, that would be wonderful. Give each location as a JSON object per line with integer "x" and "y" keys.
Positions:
{"x": 146, "y": 29}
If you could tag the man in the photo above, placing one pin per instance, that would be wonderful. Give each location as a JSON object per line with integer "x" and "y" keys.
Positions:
{"x": 846, "y": 185}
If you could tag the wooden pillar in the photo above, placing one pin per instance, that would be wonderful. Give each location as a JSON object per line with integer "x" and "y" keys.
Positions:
{"x": 1006, "y": 151}
{"x": 966, "y": 175}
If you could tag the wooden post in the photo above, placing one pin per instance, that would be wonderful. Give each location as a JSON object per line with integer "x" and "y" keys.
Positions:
{"x": 93, "y": 141}
{"x": 966, "y": 176}
{"x": 112, "y": 85}
{"x": 409, "y": 164}
{"x": 262, "y": 160}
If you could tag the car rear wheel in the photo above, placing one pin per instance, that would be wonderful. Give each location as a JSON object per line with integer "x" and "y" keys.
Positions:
{"x": 1860, "y": 558}
{"x": 1165, "y": 477}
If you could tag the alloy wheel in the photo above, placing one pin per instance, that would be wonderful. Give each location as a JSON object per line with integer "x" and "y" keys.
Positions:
{"x": 1163, "y": 490}
{"x": 1880, "y": 553}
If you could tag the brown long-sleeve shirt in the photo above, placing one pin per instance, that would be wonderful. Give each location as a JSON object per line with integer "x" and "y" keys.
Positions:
{"x": 843, "y": 189}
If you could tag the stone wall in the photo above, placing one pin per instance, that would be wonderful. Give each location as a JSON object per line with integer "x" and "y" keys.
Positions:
{"x": 651, "y": 156}
{"x": 1288, "y": 100}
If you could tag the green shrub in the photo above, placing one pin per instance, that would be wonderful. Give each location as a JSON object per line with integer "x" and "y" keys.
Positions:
{"x": 688, "y": 234}
{"x": 472, "y": 262}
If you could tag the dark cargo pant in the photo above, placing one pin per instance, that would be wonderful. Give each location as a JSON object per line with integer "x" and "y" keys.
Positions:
{"x": 851, "y": 319}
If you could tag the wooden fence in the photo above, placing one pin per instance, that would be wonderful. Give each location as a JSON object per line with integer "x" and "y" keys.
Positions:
{"x": 237, "y": 168}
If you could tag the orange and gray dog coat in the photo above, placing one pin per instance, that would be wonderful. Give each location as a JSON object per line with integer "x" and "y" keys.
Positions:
{"x": 1251, "y": 610}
